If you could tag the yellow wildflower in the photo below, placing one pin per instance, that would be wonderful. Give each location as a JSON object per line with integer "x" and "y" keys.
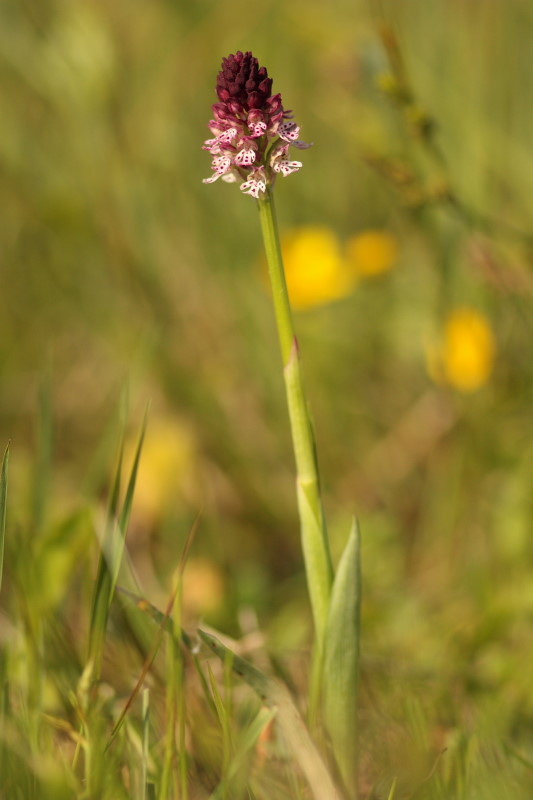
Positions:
{"x": 167, "y": 460}
{"x": 203, "y": 586}
{"x": 371, "y": 253}
{"x": 314, "y": 267}
{"x": 318, "y": 270}
{"x": 465, "y": 356}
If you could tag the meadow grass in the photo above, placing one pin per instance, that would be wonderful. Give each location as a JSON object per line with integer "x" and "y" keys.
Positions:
{"x": 118, "y": 267}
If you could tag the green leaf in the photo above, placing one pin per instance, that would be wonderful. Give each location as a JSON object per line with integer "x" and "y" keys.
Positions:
{"x": 341, "y": 662}
{"x": 3, "y": 508}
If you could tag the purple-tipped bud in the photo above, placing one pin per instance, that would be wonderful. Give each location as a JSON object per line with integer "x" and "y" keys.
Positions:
{"x": 242, "y": 79}
{"x": 248, "y": 121}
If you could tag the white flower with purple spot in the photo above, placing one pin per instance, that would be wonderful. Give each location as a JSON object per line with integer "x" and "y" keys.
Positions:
{"x": 280, "y": 163}
{"x": 256, "y": 184}
{"x": 245, "y": 157}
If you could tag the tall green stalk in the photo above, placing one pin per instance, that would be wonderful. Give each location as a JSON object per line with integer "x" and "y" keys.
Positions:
{"x": 319, "y": 569}
{"x": 251, "y": 138}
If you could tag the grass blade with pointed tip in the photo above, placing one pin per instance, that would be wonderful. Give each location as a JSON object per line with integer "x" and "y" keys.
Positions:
{"x": 271, "y": 692}
{"x": 341, "y": 661}
{"x": 127, "y": 505}
{"x": 101, "y": 592}
{"x": 163, "y": 620}
{"x": 223, "y": 714}
{"x": 246, "y": 743}
{"x": 3, "y": 508}
{"x": 166, "y": 624}
{"x": 290, "y": 723}
{"x": 112, "y": 549}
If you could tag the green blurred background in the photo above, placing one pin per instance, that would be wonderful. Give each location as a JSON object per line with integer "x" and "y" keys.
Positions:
{"x": 119, "y": 268}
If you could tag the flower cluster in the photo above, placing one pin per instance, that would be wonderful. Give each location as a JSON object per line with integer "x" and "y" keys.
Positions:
{"x": 252, "y": 132}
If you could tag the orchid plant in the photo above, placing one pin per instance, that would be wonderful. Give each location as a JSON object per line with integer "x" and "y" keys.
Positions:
{"x": 252, "y": 134}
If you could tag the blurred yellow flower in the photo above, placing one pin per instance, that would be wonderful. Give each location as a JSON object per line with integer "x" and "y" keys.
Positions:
{"x": 314, "y": 267}
{"x": 203, "y": 586}
{"x": 464, "y": 358}
{"x": 371, "y": 253}
{"x": 168, "y": 462}
{"x": 319, "y": 270}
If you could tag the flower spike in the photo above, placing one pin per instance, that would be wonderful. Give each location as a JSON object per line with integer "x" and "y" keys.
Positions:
{"x": 251, "y": 131}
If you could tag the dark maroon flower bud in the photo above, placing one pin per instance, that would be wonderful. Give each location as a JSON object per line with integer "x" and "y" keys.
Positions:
{"x": 242, "y": 79}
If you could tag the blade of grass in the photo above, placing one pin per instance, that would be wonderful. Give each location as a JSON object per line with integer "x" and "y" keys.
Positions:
{"x": 174, "y": 674}
{"x": 166, "y": 624}
{"x": 290, "y": 723}
{"x": 3, "y": 508}
{"x": 247, "y": 742}
{"x": 520, "y": 757}
{"x": 163, "y": 620}
{"x": 145, "y": 717}
{"x": 270, "y": 691}
{"x": 125, "y": 513}
{"x": 223, "y": 714}
{"x": 182, "y": 735}
{"x": 111, "y": 556}
{"x": 101, "y": 592}
{"x": 341, "y": 662}
{"x": 175, "y": 688}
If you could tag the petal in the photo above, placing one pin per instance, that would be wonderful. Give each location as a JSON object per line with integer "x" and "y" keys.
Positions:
{"x": 227, "y": 136}
{"x": 253, "y": 187}
{"x": 286, "y": 167}
{"x": 280, "y": 151}
{"x": 257, "y": 129}
{"x": 212, "y": 146}
{"x": 289, "y": 131}
{"x": 245, "y": 157}
{"x": 221, "y": 164}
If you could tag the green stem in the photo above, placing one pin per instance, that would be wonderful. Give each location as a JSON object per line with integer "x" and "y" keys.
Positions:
{"x": 315, "y": 544}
